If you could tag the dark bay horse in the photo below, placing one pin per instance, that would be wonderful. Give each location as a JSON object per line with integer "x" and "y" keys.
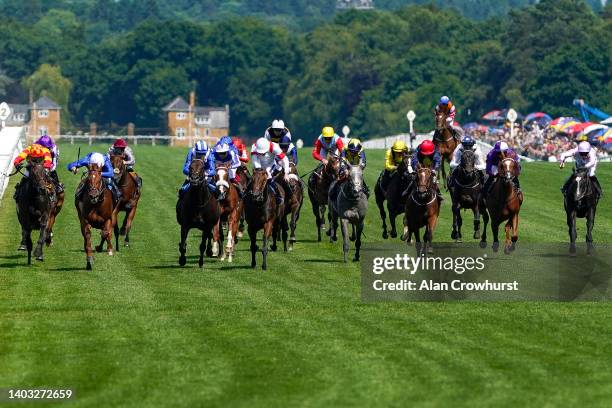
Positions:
{"x": 262, "y": 212}
{"x": 293, "y": 203}
{"x": 130, "y": 194}
{"x": 465, "y": 194}
{"x": 396, "y": 200}
{"x": 580, "y": 201}
{"x": 94, "y": 204}
{"x": 504, "y": 204}
{"x": 231, "y": 210}
{"x": 55, "y": 210}
{"x": 245, "y": 179}
{"x": 318, "y": 190}
{"x": 198, "y": 208}
{"x": 350, "y": 205}
{"x": 422, "y": 210}
{"x": 35, "y": 202}
{"x": 444, "y": 140}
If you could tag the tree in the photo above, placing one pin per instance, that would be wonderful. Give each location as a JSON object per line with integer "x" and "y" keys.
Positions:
{"x": 48, "y": 81}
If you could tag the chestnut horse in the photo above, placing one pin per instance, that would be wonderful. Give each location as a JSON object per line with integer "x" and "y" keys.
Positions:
{"x": 262, "y": 212}
{"x": 231, "y": 210}
{"x": 94, "y": 204}
{"x": 318, "y": 190}
{"x": 422, "y": 210}
{"x": 445, "y": 141}
{"x": 35, "y": 202}
{"x": 198, "y": 208}
{"x": 504, "y": 204}
{"x": 130, "y": 194}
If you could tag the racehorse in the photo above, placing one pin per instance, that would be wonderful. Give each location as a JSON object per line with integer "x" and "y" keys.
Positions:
{"x": 198, "y": 208}
{"x": 503, "y": 202}
{"x": 245, "y": 179}
{"x": 55, "y": 210}
{"x": 580, "y": 201}
{"x": 262, "y": 212}
{"x": 394, "y": 194}
{"x": 231, "y": 209}
{"x": 294, "y": 204}
{"x": 465, "y": 194}
{"x": 130, "y": 194}
{"x": 422, "y": 210}
{"x": 94, "y": 204}
{"x": 445, "y": 141}
{"x": 318, "y": 190}
{"x": 35, "y": 202}
{"x": 350, "y": 205}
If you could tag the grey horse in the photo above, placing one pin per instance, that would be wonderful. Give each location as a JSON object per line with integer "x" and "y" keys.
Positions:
{"x": 348, "y": 202}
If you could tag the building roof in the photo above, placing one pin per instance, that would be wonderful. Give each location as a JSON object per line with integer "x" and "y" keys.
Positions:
{"x": 45, "y": 103}
{"x": 177, "y": 105}
{"x": 17, "y": 110}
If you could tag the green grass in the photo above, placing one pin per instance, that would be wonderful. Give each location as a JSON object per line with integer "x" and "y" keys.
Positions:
{"x": 140, "y": 331}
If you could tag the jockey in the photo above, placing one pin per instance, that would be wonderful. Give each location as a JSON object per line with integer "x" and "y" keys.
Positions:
{"x": 426, "y": 155}
{"x": 200, "y": 152}
{"x": 445, "y": 105}
{"x": 500, "y": 151}
{"x": 103, "y": 162}
{"x": 34, "y": 151}
{"x": 354, "y": 155}
{"x": 242, "y": 150}
{"x": 585, "y": 157}
{"x": 327, "y": 142}
{"x": 264, "y": 154}
{"x": 120, "y": 147}
{"x": 224, "y": 154}
{"x": 468, "y": 143}
{"x": 47, "y": 142}
{"x": 289, "y": 149}
{"x": 393, "y": 157}
{"x": 275, "y": 132}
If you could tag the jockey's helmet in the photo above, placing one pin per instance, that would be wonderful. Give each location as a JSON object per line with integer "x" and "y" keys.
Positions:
{"x": 584, "y": 147}
{"x": 278, "y": 124}
{"x": 354, "y": 146}
{"x": 201, "y": 147}
{"x": 328, "y": 132}
{"x": 399, "y": 146}
{"x": 284, "y": 142}
{"x": 119, "y": 144}
{"x": 37, "y": 150}
{"x": 277, "y": 129}
{"x": 503, "y": 146}
{"x": 45, "y": 141}
{"x": 468, "y": 142}
{"x": 262, "y": 146}
{"x": 444, "y": 100}
{"x": 427, "y": 147}
{"x": 222, "y": 150}
{"x": 97, "y": 159}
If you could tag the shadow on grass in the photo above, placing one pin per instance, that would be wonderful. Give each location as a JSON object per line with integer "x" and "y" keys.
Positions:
{"x": 16, "y": 256}
{"x": 68, "y": 269}
{"x": 324, "y": 260}
{"x": 15, "y": 265}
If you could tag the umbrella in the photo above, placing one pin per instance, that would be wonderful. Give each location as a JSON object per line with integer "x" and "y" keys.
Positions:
{"x": 608, "y": 147}
{"x": 493, "y": 115}
{"x": 560, "y": 122}
{"x": 567, "y": 127}
{"x": 537, "y": 116}
{"x": 607, "y": 121}
{"x": 595, "y": 127}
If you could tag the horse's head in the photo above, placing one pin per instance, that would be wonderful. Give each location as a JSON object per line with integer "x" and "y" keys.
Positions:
{"x": 222, "y": 180}
{"x": 580, "y": 187}
{"x": 196, "y": 172}
{"x": 119, "y": 167}
{"x": 424, "y": 180}
{"x": 441, "y": 122}
{"x": 38, "y": 175}
{"x": 332, "y": 166}
{"x": 468, "y": 160}
{"x": 356, "y": 179}
{"x": 95, "y": 183}
{"x": 257, "y": 188}
{"x": 508, "y": 169}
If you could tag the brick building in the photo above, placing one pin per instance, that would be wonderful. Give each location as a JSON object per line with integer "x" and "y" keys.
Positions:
{"x": 39, "y": 118}
{"x": 189, "y": 122}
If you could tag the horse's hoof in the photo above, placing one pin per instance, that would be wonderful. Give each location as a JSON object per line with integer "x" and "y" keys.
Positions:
{"x": 239, "y": 234}
{"x": 572, "y": 254}
{"x": 458, "y": 241}
{"x": 201, "y": 262}
{"x": 215, "y": 249}
{"x": 290, "y": 247}
{"x": 110, "y": 253}
{"x": 273, "y": 248}
{"x": 477, "y": 235}
{"x": 393, "y": 234}
{"x": 230, "y": 259}
{"x": 483, "y": 244}
{"x": 264, "y": 267}
{"x": 88, "y": 267}
{"x": 385, "y": 235}
{"x": 495, "y": 246}
{"x": 122, "y": 231}
{"x": 22, "y": 248}
{"x": 182, "y": 260}
{"x": 454, "y": 235}
{"x": 512, "y": 246}
{"x": 430, "y": 250}
{"x": 126, "y": 244}
{"x": 355, "y": 259}
{"x": 39, "y": 258}
{"x": 507, "y": 250}
{"x": 328, "y": 233}
{"x": 99, "y": 248}
{"x": 335, "y": 238}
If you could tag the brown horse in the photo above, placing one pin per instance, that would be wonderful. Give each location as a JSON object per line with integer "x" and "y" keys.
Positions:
{"x": 130, "y": 194}
{"x": 55, "y": 210}
{"x": 94, "y": 204}
{"x": 444, "y": 140}
{"x": 318, "y": 190}
{"x": 35, "y": 201}
{"x": 503, "y": 203}
{"x": 245, "y": 178}
{"x": 393, "y": 193}
{"x": 422, "y": 210}
{"x": 294, "y": 204}
{"x": 198, "y": 208}
{"x": 262, "y": 212}
{"x": 231, "y": 208}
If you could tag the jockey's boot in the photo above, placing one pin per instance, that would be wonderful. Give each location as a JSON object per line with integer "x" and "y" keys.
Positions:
{"x": 366, "y": 189}
{"x": 288, "y": 189}
{"x": 487, "y": 186}
{"x": 438, "y": 193}
{"x": 274, "y": 188}
{"x": 517, "y": 184}
{"x": 597, "y": 186}
{"x": 59, "y": 187}
{"x": 184, "y": 188}
{"x": 116, "y": 190}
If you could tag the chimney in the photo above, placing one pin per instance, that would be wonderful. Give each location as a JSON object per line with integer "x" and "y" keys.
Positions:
{"x": 192, "y": 101}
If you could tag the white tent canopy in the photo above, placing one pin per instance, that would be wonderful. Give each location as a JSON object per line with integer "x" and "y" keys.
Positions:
{"x": 607, "y": 121}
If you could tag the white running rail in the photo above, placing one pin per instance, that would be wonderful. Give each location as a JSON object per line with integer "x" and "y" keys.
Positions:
{"x": 11, "y": 144}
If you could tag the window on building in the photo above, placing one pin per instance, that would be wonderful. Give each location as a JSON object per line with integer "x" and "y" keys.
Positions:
{"x": 42, "y": 131}
{"x": 180, "y": 133}
{"x": 202, "y": 120}
{"x": 181, "y": 115}
{"x": 207, "y": 132}
{"x": 43, "y": 113}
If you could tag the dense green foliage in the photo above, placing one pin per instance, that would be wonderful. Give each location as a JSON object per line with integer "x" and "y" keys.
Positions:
{"x": 140, "y": 331}
{"x": 362, "y": 68}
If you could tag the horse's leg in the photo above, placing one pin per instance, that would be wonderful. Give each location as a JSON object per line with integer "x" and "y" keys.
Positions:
{"x": 380, "y": 202}
{"x": 28, "y": 243}
{"x": 123, "y": 229}
{"x": 267, "y": 233}
{"x": 454, "y": 233}
{"x": 485, "y": 219}
{"x": 127, "y": 221}
{"x": 571, "y": 224}
{"x": 183, "y": 245}
{"x": 216, "y": 233}
{"x": 358, "y": 233}
{"x": 345, "y": 238}
{"x": 476, "y": 211}
{"x": 353, "y": 232}
{"x": 495, "y": 231}
{"x": 275, "y": 233}
{"x": 202, "y": 249}
{"x": 459, "y": 224}
{"x": 317, "y": 214}
{"x": 508, "y": 230}
{"x": 284, "y": 229}
{"x": 108, "y": 227}
{"x": 293, "y": 225}
{"x": 392, "y": 216}
{"x": 417, "y": 238}
{"x": 333, "y": 225}
{"x": 253, "y": 236}
{"x": 444, "y": 158}
{"x": 50, "y": 224}
{"x": 515, "y": 224}
{"x": 431, "y": 225}
{"x": 100, "y": 247}
{"x": 117, "y": 233}
{"x": 232, "y": 230}
{"x": 86, "y": 231}
{"x": 590, "y": 223}
{"x": 38, "y": 251}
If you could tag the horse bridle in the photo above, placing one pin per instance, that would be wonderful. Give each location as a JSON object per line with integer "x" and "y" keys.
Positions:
{"x": 97, "y": 192}
{"x": 259, "y": 197}
{"x": 427, "y": 191}
{"x": 200, "y": 178}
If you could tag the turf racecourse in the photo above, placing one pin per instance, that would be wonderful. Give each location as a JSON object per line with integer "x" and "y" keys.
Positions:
{"x": 140, "y": 331}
